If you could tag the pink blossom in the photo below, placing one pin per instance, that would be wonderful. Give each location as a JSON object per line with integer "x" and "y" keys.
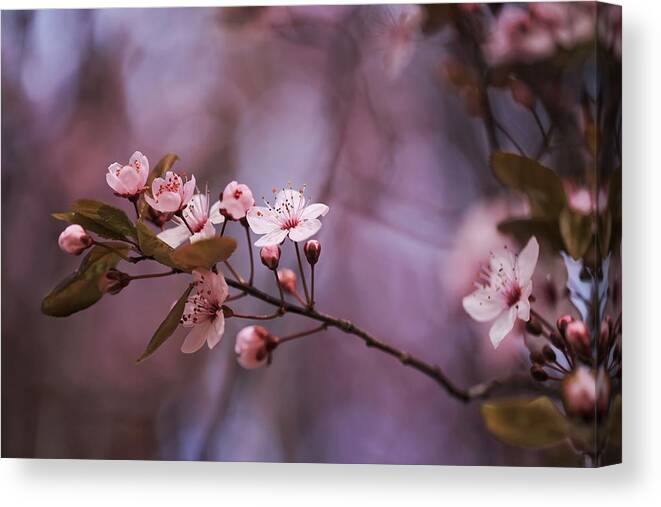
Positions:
{"x": 504, "y": 295}
{"x": 398, "y": 36}
{"x": 570, "y": 23}
{"x": 584, "y": 200}
{"x": 312, "y": 250}
{"x": 129, "y": 180}
{"x": 516, "y": 36}
{"x": 236, "y": 200}
{"x": 200, "y": 220}
{"x": 251, "y": 347}
{"x": 74, "y": 240}
{"x": 289, "y": 216}
{"x": 203, "y": 311}
{"x": 170, "y": 193}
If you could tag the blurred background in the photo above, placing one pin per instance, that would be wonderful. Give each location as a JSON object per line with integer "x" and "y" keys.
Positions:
{"x": 346, "y": 99}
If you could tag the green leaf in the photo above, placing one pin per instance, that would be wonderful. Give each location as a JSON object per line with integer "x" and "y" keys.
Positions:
{"x": 108, "y": 216}
{"x": 522, "y": 229}
{"x": 152, "y": 246}
{"x": 533, "y": 424}
{"x": 168, "y": 326}
{"x": 540, "y": 184}
{"x": 80, "y": 289}
{"x": 161, "y": 167}
{"x": 204, "y": 253}
{"x": 576, "y": 230}
{"x": 89, "y": 225}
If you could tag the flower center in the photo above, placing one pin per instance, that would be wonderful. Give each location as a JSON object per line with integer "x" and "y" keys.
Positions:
{"x": 238, "y": 193}
{"x": 513, "y": 294}
{"x": 289, "y": 223}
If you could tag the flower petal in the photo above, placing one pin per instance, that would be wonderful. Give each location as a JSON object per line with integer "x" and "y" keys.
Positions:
{"x": 314, "y": 210}
{"x": 484, "y": 305}
{"x": 207, "y": 231}
{"x": 197, "y": 337}
{"x": 216, "y": 331}
{"x": 527, "y": 260}
{"x": 167, "y": 202}
{"x": 523, "y": 306}
{"x": 272, "y": 238}
{"x": 175, "y": 236}
{"x": 502, "y": 326}
{"x": 188, "y": 191}
{"x": 215, "y": 216}
{"x": 290, "y": 199}
{"x": 261, "y": 220}
{"x": 304, "y": 229}
{"x": 116, "y": 184}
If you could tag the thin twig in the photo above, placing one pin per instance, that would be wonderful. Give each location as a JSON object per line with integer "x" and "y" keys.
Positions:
{"x": 252, "y": 260}
{"x": 300, "y": 268}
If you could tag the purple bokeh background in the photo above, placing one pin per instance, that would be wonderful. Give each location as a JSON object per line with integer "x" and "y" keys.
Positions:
{"x": 289, "y": 95}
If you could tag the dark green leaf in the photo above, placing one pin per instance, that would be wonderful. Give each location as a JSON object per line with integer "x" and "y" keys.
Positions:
{"x": 80, "y": 290}
{"x": 533, "y": 424}
{"x": 576, "y": 230}
{"x": 110, "y": 217}
{"x": 168, "y": 326}
{"x": 540, "y": 184}
{"x": 89, "y": 225}
{"x": 204, "y": 253}
{"x": 522, "y": 229}
{"x": 152, "y": 246}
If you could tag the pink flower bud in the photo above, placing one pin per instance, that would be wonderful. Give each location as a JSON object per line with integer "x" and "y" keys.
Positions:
{"x": 563, "y": 321}
{"x": 252, "y": 346}
{"x": 113, "y": 281}
{"x": 521, "y": 93}
{"x": 287, "y": 280}
{"x": 74, "y": 240}
{"x": 236, "y": 200}
{"x": 312, "y": 251}
{"x": 270, "y": 256}
{"x": 578, "y": 336}
{"x": 582, "y": 395}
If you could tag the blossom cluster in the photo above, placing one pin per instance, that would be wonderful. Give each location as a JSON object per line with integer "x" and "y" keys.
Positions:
{"x": 174, "y": 198}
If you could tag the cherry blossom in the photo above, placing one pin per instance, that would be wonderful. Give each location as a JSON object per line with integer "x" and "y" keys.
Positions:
{"x": 398, "y": 36}
{"x": 74, "y": 240}
{"x": 236, "y": 200}
{"x": 129, "y": 180}
{"x": 289, "y": 216}
{"x": 170, "y": 193}
{"x": 503, "y": 297}
{"x": 203, "y": 311}
{"x": 200, "y": 220}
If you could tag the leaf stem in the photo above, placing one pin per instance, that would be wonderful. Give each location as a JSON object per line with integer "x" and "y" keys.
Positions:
{"x": 155, "y": 275}
{"x": 284, "y": 339}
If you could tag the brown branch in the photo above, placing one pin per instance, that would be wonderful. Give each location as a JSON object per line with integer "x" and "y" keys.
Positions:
{"x": 479, "y": 391}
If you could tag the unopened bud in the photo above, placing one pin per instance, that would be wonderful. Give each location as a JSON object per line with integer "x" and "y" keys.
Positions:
{"x": 563, "y": 321}
{"x": 312, "y": 251}
{"x": 534, "y": 327}
{"x": 252, "y": 346}
{"x": 74, "y": 240}
{"x": 522, "y": 93}
{"x": 113, "y": 281}
{"x": 582, "y": 395}
{"x": 578, "y": 336}
{"x": 537, "y": 357}
{"x": 270, "y": 256}
{"x": 548, "y": 353}
{"x": 287, "y": 280}
{"x": 538, "y": 373}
